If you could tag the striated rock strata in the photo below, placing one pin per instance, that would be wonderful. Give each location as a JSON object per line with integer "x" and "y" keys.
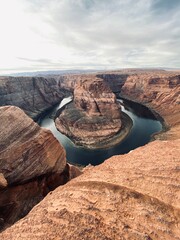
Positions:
{"x": 32, "y": 163}
{"x": 32, "y": 94}
{"x": 134, "y": 196}
{"x": 159, "y": 91}
{"x": 93, "y": 117}
{"x": 26, "y": 150}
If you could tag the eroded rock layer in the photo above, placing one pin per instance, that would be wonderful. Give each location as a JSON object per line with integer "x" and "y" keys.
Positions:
{"x": 94, "y": 115}
{"x": 133, "y": 196}
{"x": 159, "y": 90}
{"x": 26, "y": 150}
{"x": 32, "y": 163}
{"x": 32, "y": 94}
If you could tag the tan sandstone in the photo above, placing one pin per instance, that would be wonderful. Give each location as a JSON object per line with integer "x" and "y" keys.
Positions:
{"x": 133, "y": 196}
{"x": 32, "y": 163}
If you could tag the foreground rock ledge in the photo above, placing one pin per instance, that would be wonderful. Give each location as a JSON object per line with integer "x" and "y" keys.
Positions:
{"x": 132, "y": 196}
{"x": 32, "y": 163}
{"x": 93, "y": 117}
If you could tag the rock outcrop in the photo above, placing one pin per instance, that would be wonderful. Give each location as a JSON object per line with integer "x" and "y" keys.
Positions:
{"x": 32, "y": 94}
{"x": 93, "y": 117}
{"x": 159, "y": 91}
{"x": 26, "y": 150}
{"x": 133, "y": 196}
{"x": 32, "y": 163}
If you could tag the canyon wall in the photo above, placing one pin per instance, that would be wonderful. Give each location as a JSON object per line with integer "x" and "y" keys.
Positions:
{"x": 32, "y": 163}
{"x": 159, "y": 91}
{"x": 114, "y": 80}
{"x": 32, "y": 94}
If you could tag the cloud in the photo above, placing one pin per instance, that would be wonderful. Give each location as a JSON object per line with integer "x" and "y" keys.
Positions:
{"x": 105, "y": 34}
{"x": 165, "y": 5}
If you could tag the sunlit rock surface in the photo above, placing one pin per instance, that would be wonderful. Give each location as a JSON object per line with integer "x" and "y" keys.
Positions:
{"x": 133, "y": 196}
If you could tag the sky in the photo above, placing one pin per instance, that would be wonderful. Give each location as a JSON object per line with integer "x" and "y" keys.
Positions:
{"x": 45, "y": 35}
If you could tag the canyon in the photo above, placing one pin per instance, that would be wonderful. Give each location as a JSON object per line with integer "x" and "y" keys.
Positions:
{"x": 94, "y": 119}
{"x": 130, "y": 196}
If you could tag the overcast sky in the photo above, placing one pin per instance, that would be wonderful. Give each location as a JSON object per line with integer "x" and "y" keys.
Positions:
{"x": 88, "y": 34}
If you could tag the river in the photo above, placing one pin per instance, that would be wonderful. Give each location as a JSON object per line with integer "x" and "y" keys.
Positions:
{"x": 144, "y": 125}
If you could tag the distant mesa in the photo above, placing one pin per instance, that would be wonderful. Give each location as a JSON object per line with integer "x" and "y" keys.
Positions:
{"x": 94, "y": 118}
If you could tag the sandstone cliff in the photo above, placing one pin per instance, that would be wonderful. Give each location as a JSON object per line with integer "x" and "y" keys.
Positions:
{"x": 161, "y": 92}
{"x": 26, "y": 150}
{"x": 133, "y": 196}
{"x": 32, "y": 162}
{"x": 94, "y": 116}
{"x": 32, "y": 94}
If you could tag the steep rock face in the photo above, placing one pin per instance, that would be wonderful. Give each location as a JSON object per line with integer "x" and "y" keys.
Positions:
{"x": 32, "y": 163}
{"x": 114, "y": 81}
{"x": 26, "y": 150}
{"x": 32, "y": 94}
{"x": 160, "y": 91}
{"x": 94, "y": 115}
{"x": 133, "y": 196}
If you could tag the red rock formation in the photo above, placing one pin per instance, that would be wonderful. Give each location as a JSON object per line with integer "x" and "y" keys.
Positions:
{"x": 94, "y": 116}
{"x": 159, "y": 91}
{"x": 26, "y": 150}
{"x": 95, "y": 98}
{"x": 32, "y": 163}
{"x": 133, "y": 196}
